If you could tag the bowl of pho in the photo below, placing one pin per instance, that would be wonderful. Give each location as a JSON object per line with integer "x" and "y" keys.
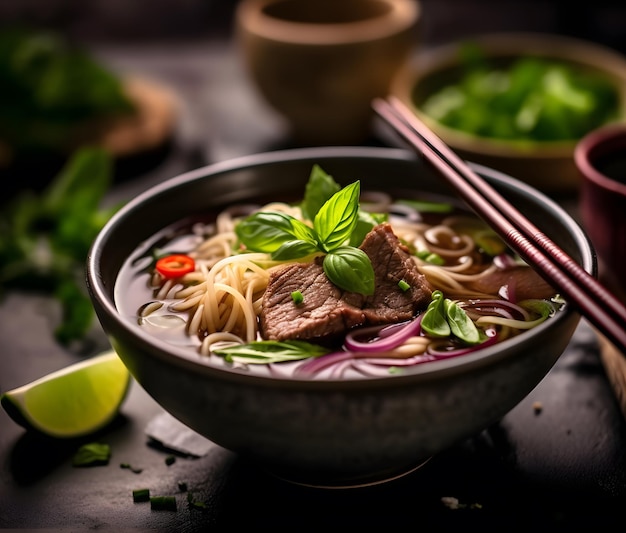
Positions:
{"x": 334, "y": 314}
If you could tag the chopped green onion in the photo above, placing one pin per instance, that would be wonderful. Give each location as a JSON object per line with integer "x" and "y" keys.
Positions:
{"x": 403, "y": 285}
{"x": 141, "y": 495}
{"x": 430, "y": 257}
{"x": 297, "y": 297}
{"x": 132, "y": 469}
{"x": 170, "y": 460}
{"x": 163, "y": 503}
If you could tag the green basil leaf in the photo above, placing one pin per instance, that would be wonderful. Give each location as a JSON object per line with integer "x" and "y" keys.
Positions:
{"x": 461, "y": 325}
{"x": 265, "y": 352}
{"x": 265, "y": 232}
{"x": 365, "y": 223}
{"x": 350, "y": 269}
{"x": 303, "y": 232}
{"x": 335, "y": 221}
{"x": 295, "y": 249}
{"x": 434, "y": 320}
{"x": 320, "y": 187}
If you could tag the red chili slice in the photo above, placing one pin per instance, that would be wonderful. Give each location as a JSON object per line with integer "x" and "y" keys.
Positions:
{"x": 175, "y": 265}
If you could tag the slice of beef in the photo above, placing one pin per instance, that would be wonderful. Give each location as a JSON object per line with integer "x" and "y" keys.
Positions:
{"x": 327, "y": 311}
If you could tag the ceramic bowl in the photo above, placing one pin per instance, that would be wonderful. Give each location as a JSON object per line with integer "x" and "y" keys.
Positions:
{"x": 546, "y": 165}
{"x": 327, "y": 432}
{"x": 601, "y": 159}
{"x": 319, "y": 64}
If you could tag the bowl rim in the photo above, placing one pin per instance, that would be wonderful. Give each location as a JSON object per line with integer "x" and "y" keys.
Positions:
{"x": 440, "y": 58}
{"x": 400, "y": 16}
{"x": 595, "y": 144}
{"x": 196, "y": 363}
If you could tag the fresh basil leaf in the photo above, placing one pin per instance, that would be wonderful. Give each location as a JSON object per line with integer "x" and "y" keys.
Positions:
{"x": 295, "y": 249}
{"x": 434, "y": 320}
{"x": 320, "y": 187}
{"x": 337, "y": 218}
{"x": 365, "y": 223}
{"x": 265, "y": 352}
{"x": 461, "y": 325}
{"x": 303, "y": 232}
{"x": 350, "y": 269}
{"x": 265, "y": 232}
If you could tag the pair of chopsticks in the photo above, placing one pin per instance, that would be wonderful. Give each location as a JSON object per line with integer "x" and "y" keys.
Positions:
{"x": 592, "y": 300}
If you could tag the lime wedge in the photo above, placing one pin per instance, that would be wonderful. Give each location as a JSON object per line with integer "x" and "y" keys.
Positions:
{"x": 71, "y": 402}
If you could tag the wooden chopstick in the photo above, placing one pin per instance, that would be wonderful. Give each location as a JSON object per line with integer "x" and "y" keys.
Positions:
{"x": 596, "y": 303}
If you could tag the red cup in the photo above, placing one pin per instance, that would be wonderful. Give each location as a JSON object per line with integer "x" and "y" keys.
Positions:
{"x": 600, "y": 157}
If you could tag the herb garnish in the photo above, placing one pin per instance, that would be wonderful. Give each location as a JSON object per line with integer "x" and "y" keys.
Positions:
{"x": 287, "y": 238}
{"x": 92, "y": 454}
{"x": 444, "y": 317}
{"x": 44, "y": 239}
{"x": 265, "y": 352}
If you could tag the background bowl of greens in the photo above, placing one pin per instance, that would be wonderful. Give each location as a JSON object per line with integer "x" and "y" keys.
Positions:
{"x": 517, "y": 102}
{"x": 269, "y": 402}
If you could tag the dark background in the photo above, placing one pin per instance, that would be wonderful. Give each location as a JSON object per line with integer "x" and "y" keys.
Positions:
{"x": 164, "y": 20}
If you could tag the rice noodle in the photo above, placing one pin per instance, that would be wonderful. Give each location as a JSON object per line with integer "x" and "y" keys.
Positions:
{"x": 222, "y": 298}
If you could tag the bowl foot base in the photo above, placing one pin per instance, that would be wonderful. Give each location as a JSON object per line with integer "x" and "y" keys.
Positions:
{"x": 355, "y": 482}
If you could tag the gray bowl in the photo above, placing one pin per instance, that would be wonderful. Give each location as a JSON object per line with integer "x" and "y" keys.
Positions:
{"x": 326, "y": 432}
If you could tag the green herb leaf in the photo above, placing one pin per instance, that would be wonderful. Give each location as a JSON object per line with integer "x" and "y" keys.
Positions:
{"x": 337, "y": 218}
{"x": 320, "y": 187}
{"x": 265, "y": 352}
{"x": 350, "y": 269}
{"x": 461, "y": 325}
{"x": 365, "y": 223}
{"x": 265, "y": 232}
{"x": 92, "y": 454}
{"x": 434, "y": 320}
{"x": 295, "y": 249}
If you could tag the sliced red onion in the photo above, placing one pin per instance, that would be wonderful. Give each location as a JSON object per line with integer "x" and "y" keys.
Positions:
{"x": 446, "y": 354}
{"x": 385, "y": 338}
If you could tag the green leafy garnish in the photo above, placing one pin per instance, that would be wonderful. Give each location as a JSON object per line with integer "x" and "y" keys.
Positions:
{"x": 443, "y": 318}
{"x": 531, "y": 99}
{"x": 92, "y": 454}
{"x": 49, "y": 86}
{"x": 461, "y": 325}
{"x": 45, "y": 239}
{"x": 320, "y": 187}
{"x": 265, "y": 352}
{"x": 287, "y": 238}
{"x": 434, "y": 320}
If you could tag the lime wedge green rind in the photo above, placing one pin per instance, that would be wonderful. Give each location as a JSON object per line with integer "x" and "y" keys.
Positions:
{"x": 71, "y": 402}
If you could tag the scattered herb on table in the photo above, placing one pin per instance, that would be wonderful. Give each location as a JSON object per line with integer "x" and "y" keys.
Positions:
{"x": 92, "y": 454}
{"x": 45, "y": 238}
{"x": 131, "y": 468}
{"x": 163, "y": 503}
{"x": 141, "y": 495}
